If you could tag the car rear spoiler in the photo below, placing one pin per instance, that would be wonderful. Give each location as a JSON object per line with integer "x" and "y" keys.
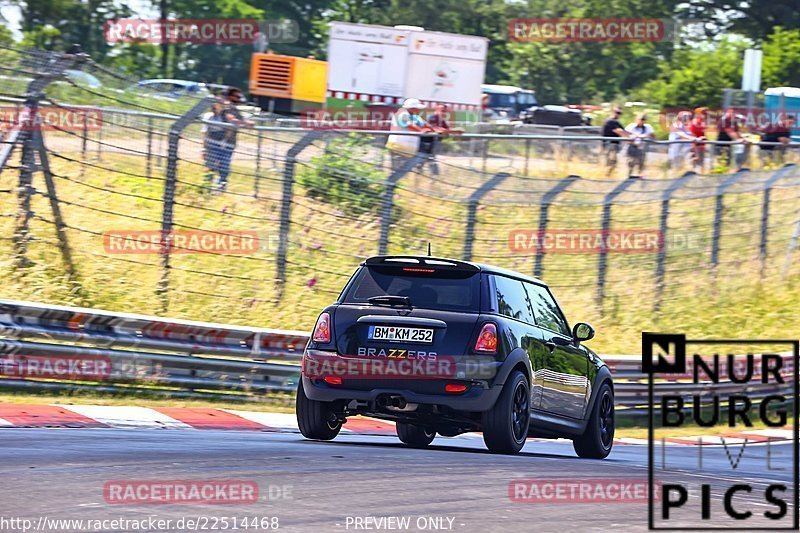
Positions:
{"x": 412, "y": 261}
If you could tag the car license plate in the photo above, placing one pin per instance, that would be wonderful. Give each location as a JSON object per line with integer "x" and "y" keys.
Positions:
{"x": 396, "y": 334}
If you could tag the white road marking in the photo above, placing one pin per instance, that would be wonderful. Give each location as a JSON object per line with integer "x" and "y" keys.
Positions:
{"x": 283, "y": 421}
{"x": 126, "y": 417}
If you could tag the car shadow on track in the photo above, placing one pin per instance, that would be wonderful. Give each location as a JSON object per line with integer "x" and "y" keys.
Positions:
{"x": 437, "y": 448}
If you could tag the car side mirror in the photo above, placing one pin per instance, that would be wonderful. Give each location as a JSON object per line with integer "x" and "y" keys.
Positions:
{"x": 582, "y": 332}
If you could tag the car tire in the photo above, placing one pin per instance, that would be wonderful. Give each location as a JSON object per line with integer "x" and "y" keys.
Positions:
{"x": 413, "y": 435}
{"x": 505, "y": 425}
{"x": 317, "y": 420}
{"x": 598, "y": 439}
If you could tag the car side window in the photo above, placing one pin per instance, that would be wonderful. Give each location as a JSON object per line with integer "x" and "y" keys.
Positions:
{"x": 511, "y": 299}
{"x": 545, "y": 309}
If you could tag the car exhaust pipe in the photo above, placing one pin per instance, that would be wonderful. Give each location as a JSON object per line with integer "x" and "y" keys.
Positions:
{"x": 383, "y": 401}
{"x": 398, "y": 402}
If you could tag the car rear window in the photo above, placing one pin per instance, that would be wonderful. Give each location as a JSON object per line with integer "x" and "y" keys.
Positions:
{"x": 441, "y": 289}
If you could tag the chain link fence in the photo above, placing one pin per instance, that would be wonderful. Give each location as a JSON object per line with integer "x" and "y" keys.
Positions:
{"x": 122, "y": 209}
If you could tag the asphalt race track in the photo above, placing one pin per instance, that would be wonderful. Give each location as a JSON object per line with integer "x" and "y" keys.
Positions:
{"x": 328, "y": 486}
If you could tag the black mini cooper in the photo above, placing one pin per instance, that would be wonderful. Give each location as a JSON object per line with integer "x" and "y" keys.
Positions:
{"x": 444, "y": 346}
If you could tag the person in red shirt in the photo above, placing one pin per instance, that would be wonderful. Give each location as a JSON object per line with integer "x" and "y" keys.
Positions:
{"x": 697, "y": 127}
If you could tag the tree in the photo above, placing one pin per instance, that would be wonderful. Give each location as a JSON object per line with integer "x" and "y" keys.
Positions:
{"x": 781, "y": 59}
{"x": 752, "y": 18}
{"x": 57, "y": 24}
{"x": 696, "y": 76}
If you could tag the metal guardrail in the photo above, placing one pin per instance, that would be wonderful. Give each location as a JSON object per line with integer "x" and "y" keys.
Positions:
{"x": 186, "y": 358}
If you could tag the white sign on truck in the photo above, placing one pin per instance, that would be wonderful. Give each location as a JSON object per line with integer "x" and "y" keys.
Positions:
{"x": 382, "y": 64}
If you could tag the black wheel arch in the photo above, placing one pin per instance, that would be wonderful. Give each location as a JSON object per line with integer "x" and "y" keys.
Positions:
{"x": 517, "y": 360}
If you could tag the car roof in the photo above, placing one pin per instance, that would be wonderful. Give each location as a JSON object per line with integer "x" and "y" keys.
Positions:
{"x": 454, "y": 263}
{"x": 500, "y": 89}
{"x": 185, "y": 83}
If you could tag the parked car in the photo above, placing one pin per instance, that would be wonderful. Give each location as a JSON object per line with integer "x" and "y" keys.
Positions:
{"x": 169, "y": 88}
{"x": 508, "y": 101}
{"x": 493, "y": 350}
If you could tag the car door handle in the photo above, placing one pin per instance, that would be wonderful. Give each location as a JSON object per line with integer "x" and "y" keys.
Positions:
{"x": 550, "y": 346}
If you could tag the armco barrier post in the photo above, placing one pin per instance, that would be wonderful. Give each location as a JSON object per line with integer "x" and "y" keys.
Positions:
{"x": 718, "y": 209}
{"x": 762, "y": 248}
{"x": 388, "y": 198}
{"x": 472, "y": 208}
{"x": 169, "y": 192}
{"x": 544, "y": 211}
{"x": 662, "y": 250}
{"x": 608, "y": 203}
{"x": 286, "y": 205}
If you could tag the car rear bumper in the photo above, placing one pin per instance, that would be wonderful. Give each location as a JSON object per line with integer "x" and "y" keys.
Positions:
{"x": 477, "y": 398}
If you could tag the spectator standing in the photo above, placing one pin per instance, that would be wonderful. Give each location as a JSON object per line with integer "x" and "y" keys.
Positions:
{"x": 779, "y": 133}
{"x": 231, "y": 115}
{"x": 697, "y": 127}
{"x": 428, "y": 145}
{"x": 729, "y": 132}
{"x": 214, "y": 137}
{"x": 641, "y": 132}
{"x": 406, "y": 119}
{"x": 680, "y": 131}
{"x": 613, "y": 128}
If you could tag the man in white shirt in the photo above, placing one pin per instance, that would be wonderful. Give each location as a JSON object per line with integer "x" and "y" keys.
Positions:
{"x": 640, "y": 131}
{"x": 407, "y": 118}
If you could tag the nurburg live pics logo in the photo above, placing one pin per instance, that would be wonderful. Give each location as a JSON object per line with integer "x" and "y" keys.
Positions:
{"x": 760, "y": 491}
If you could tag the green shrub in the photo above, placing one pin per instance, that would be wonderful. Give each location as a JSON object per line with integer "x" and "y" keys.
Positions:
{"x": 342, "y": 176}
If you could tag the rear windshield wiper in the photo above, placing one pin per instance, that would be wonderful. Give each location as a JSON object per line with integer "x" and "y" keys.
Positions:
{"x": 389, "y": 299}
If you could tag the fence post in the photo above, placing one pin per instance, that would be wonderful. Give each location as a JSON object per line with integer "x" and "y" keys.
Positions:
{"x": 608, "y": 202}
{"x": 85, "y": 136}
{"x": 662, "y": 250}
{"x": 53, "y": 70}
{"x": 527, "y": 154}
{"x": 58, "y": 218}
{"x": 472, "y": 208}
{"x": 286, "y": 204}
{"x": 388, "y": 198}
{"x": 544, "y": 211}
{"x": 762, "y": 248}
{"x": 718, "y": 208}
{"x": 257, "y": 178}
{"x": 149, "y": 146}
{"x": 169, "y": 192}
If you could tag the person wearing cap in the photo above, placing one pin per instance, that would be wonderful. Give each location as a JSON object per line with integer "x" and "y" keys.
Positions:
{"x": 612, "y": 128}
{"x": 697, "y": 128}
{"x": 406, "y": 119}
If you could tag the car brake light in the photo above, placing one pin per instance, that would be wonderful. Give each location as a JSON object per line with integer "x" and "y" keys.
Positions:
{"x": 455, "y": 387}
{"x": 333, "y": 380}
{"x": 322, "y": 331}
{"x": 487, "y": 339}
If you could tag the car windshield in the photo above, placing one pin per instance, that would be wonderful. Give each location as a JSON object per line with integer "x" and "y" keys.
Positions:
{"x": 427, "y": 288}
{"x": 502, "y": 100}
